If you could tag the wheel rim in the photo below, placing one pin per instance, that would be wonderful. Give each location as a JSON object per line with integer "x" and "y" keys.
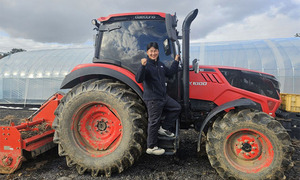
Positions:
{"x": 97, "y": 129}
{"x": 249, "y": 150}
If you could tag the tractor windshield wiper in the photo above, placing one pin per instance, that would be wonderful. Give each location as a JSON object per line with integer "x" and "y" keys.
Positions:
{"x": 109, "y": 28}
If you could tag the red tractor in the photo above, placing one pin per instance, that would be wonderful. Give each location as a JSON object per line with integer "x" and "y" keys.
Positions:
{"x": 101, "y": 123}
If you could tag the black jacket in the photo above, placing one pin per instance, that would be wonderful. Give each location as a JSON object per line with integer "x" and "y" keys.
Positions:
{"x": 153, "y": 78}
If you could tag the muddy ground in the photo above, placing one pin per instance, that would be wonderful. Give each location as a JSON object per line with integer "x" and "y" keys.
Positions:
{"x": 50, "y": 166}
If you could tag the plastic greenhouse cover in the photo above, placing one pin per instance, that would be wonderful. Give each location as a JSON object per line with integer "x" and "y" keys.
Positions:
{"x": 32, "y": 77}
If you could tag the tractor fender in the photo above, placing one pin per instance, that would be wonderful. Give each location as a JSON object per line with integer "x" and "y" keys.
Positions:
{"x": 89, "y": 71}
{"x": 215, "y": 111}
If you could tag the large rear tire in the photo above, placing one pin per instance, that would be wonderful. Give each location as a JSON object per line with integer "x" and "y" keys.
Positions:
{"x": 249, "y": 145}
{"x": 100, "y": 127}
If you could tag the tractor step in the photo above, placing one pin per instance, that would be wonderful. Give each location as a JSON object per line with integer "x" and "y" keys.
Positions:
{"x": 170, "y": 144}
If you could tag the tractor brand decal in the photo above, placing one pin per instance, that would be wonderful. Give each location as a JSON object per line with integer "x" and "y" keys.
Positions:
{"x": 198, "y": 83}
{"x": 145, "y": 17}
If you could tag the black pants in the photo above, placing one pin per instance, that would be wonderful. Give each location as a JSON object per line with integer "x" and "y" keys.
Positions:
{"x": 156, "y": 108}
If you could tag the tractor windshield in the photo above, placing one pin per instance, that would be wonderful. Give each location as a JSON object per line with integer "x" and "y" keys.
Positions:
{"x": 127, "y": 43}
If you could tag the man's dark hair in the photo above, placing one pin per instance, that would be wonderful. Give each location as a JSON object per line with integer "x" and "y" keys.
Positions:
{"x": 152, "y": 44}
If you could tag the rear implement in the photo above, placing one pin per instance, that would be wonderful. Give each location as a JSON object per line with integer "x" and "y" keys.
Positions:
{"x": 32, "y": 137}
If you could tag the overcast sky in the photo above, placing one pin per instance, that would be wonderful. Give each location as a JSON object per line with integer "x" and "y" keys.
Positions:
{"x": 45, "y": 24}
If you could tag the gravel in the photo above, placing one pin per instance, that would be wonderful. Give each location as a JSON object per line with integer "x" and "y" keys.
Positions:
{"x": 190, "y": 166}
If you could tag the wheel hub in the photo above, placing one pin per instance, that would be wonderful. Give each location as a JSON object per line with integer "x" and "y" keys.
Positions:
{"x": 101, "y": 125}
{"x": 248, "y": 150}
{"x": 247, "y": 147}
{"x": 98, "y": 128}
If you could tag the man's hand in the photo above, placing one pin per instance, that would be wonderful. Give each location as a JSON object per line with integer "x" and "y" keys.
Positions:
{"x": 177, "y": 57}
{"x": 144, "y": 61}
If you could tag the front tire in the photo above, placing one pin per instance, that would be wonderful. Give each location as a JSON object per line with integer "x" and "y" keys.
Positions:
{"x": 249, "y": 145}
{"x": 100, "y": 127}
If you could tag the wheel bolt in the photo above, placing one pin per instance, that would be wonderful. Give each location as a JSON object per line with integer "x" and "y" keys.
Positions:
{"x": 240, "y": 146}
{"x": 247, "y": 154}
{"x": 254, "y": 148}
{"x": 246, "y": 141}
{"x": 251, "y": 143}
{"x": 243, "y": 152}
{"x": 252, "y": 152}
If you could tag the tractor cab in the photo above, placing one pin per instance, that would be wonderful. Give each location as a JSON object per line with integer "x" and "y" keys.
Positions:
{"x": 122, "y": 39}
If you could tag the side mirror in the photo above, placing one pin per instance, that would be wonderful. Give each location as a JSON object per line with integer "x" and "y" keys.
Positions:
{"x": 196, "y": 66}
{"x": 171, "y": 24}
{"x": 167, "y": 48}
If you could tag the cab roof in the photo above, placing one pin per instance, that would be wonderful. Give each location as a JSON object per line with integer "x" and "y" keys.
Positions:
{"x": 136, "y": 15}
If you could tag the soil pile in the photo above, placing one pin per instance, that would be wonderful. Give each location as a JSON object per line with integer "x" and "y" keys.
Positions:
{"x": 18, "y": 116}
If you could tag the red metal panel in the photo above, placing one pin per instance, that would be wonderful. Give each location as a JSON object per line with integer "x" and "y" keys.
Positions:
{"x": 37, "y": 141}
{"x": 217, "y": 78}
{"x": 220, "y": 93}
{"x": 113, "y": 67}
{"x": 46, "y": 111}
{"x": 10, "y": 149}
{"x": 212, "y": 78}
{"x": 206, "y": 77}
{"x": 40, "y": 143}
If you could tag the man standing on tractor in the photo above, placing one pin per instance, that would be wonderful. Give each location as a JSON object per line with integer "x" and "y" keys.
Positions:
{"x": 152, "y": 74}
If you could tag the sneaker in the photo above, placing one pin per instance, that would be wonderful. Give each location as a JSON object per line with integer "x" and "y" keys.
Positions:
{"x": 165, "y": 132}
{"x": 155, "y": 151}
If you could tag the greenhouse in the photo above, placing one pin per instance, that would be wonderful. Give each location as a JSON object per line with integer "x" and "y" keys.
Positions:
{"x": 280, "y": 57}
{"x": 32, "y": 77}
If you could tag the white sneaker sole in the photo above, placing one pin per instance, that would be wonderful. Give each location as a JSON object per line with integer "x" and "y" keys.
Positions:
{"x": 164, "y": 134}
{"x": 157, "y": 152}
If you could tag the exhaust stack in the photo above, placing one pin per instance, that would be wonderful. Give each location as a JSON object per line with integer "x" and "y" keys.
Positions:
{"x": 186, "y": 56}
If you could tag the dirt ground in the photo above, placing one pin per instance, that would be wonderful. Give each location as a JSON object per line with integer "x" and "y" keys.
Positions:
{"x": 190, "y": 166}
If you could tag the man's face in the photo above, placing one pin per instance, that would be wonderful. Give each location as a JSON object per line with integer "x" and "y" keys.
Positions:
{"x": 153, "y": 53}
